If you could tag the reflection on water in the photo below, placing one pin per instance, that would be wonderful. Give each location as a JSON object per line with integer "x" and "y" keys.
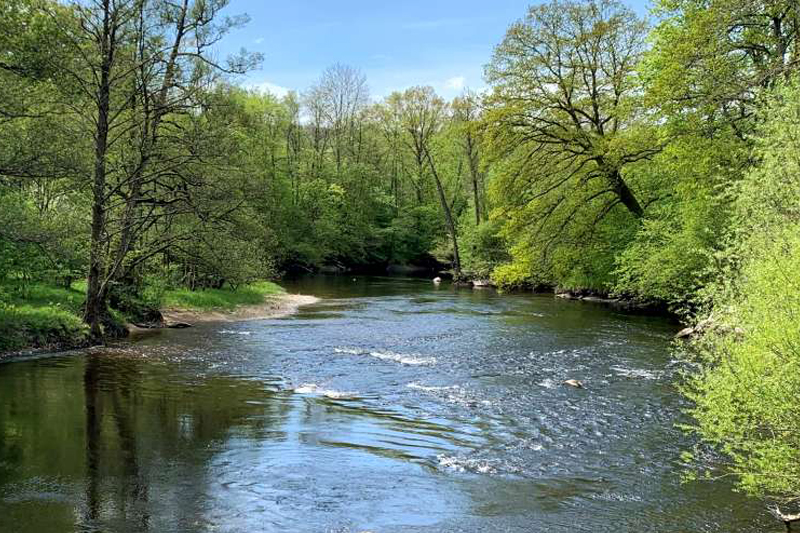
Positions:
{"x": 391, "y": 405}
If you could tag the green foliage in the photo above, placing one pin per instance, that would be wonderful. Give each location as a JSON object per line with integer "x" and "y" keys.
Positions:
{"x": 43, "y": 295}
{"x": 134, "y": 303}
{"x": 482, "y": 247}
{"x": 710, "y": 59}
{"x": 38, "y": 242}
{"x": 565, "y": 137}
{"x": 575, "y": 247}
{"x": 747, "y": 394}
{"x": 746, "y": 397}
{"x": 412, "y": 234}
{"x": 673, "y": 253}
{"x": 586, "y": 260}
{"x": 23, "y": 327}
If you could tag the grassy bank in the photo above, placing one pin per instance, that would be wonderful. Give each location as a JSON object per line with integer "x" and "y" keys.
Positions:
{"x": 220, "y": 299}
{"x": 42, "y": 316}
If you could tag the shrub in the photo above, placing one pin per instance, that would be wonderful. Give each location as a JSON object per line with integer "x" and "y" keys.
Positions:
{"x": 747, "y": 393}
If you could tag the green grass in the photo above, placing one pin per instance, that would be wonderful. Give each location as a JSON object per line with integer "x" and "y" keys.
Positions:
{"x": 42, "y": 295}
{"x": 40, "y": 316}
{"x": 221, "y": 299}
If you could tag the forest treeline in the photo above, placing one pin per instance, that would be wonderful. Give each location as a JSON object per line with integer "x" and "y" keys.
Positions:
{"x": 658, "y": 160}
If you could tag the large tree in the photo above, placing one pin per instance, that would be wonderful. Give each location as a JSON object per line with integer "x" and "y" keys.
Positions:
{"x": 711, "y": 59}
{"x": 566, "y": 125}
{"x": 566, "y": 105}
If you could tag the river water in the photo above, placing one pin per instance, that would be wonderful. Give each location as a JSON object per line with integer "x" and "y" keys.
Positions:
{"x": 390, "y": 405}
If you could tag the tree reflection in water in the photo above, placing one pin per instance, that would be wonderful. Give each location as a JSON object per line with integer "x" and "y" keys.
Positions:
{"x": 145, "y": 426}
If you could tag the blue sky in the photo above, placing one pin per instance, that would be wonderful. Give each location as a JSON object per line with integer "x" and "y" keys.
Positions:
{"x": 397, "y": 44}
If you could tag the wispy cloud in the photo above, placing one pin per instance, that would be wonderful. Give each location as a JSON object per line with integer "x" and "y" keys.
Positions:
{"x": 268, "y": 87}
{"x": 455, "y": 83}
{"x": 259, "y": 40}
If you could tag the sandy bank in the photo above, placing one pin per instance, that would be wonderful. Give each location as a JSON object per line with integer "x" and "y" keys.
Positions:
{"x": 274, "y": 307}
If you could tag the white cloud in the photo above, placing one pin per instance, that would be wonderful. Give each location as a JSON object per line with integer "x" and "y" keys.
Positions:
{"x": 268, "y": 87}
{"x": 259, "y": 40}
{"x": 455, "y": 83}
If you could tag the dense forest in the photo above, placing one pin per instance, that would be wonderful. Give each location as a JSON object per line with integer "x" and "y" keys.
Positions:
{"x": 656, "y": 160}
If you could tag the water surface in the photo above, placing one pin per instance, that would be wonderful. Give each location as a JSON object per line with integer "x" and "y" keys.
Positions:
{"x": 391, "y": 405}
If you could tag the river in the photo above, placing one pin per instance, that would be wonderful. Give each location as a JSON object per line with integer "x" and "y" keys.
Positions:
{"x": 391, "y": 405}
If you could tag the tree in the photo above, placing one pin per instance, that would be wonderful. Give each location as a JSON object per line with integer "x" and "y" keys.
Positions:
{"x": 345, "y": 94}
{"x": 466, "y": 117}
{"x": 423, "y": 114}
{"x": 566, "y": 100}
{"x": 138, "y": 65}
{"x": 711, "y": 59}
{"x": 336, "y": 104}
{"x": 746, "y": 392}
{"x": 41, "y": 213}
{"x": 566, "y": 125}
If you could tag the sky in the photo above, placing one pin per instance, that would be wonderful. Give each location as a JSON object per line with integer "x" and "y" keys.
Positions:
{"x": 395, "y": 43}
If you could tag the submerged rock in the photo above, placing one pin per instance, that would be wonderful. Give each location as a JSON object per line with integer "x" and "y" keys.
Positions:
{"x": 178, "y": 325}
{"x": 600, "y": 299}
{"x": 709, "y": 324}
{"x": 333, "y": 269}
{"x": 408, "y": 269}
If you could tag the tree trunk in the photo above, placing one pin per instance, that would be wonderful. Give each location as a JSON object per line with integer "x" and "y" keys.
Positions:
{"x": 475, "y": 175}
{"x": 448, "y": 215}
{"x": 96, "y": 307}
{"x": 154, "y": 110}
{"x": 625, "y": 194}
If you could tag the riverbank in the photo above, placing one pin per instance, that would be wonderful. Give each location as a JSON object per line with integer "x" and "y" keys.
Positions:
{"x": 45, "y": 318}
{"x": 260, "y": 300}
{"x": 275, "y": 306}
{"x": 38, "y": 316}
{"x": 620, "y": 303}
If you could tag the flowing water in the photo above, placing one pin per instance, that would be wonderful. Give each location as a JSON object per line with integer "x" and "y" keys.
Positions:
{"x": 390, "y": 405}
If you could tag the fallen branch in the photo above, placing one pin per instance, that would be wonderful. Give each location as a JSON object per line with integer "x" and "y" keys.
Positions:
{"x": 787, "y": 519}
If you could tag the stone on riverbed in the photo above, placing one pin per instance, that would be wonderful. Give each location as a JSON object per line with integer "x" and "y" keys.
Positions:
{"x": 574, "y": 383}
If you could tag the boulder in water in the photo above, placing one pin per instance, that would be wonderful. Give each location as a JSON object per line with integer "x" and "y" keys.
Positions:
{"x": 574, "y": 383}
